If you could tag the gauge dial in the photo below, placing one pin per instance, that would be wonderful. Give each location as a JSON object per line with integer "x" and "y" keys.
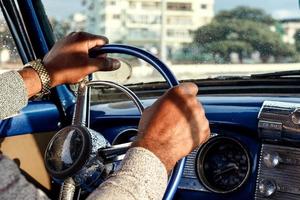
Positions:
{"x": 223, "y": 164}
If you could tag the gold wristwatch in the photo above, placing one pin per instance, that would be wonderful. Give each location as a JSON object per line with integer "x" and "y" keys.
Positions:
{"x": 38, "y": 66}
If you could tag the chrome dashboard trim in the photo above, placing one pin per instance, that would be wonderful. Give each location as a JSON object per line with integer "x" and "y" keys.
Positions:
{"x": 279, "y": 121}
{"x": 189, "y": 179}
{"x": 279, "y": 162}
{"x": 285, "y": 175}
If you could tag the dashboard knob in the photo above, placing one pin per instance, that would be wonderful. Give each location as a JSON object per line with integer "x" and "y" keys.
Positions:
{"x": 271, "y": 160}
{"x": 267, "y": 187}
{"x": 296, "y": 116}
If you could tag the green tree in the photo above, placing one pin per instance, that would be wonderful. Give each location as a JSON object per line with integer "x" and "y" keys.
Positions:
{"x": 242, "y": 30}
{"x": 224, "y": 48}
{"x": 246, "y": 13}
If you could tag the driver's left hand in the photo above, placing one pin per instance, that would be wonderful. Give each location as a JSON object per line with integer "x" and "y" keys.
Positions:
{"x": 68, "y": 60}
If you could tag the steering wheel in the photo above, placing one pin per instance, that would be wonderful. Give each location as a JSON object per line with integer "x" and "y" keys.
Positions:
{"x": 73, "y": 153}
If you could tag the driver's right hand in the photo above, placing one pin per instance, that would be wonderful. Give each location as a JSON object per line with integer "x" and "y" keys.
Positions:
{"x": 174, "y": 125}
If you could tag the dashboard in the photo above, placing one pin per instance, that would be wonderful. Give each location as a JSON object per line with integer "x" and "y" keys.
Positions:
{"x": 253, "y": 153}
{"x": 232, "y": 164}
{"x": 249, "y": 156}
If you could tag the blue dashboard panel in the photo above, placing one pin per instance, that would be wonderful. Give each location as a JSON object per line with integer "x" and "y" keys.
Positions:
{"x": 232, "y": 116}
{"x": 231, "y": 110}
{"x": 235, "y": 114}
{"x": 38, "y": 116}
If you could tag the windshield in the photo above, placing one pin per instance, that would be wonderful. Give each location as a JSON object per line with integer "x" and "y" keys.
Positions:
{"x": 197, "y": 39}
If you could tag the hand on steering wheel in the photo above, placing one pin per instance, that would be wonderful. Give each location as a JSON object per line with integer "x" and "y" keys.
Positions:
{"x": 170, "y": 128}
{"x": 174, "y": 125}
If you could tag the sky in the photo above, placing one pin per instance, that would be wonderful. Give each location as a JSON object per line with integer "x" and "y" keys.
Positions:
{"x": 279, "y": 9}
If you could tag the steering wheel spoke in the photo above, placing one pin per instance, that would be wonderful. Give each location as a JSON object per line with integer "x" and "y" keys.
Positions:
{"x": 114, "y": 153}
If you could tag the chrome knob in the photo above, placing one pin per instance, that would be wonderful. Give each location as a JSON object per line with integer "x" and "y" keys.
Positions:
{"x": 267, "y": 187}
{"x": 271, "y": 160}
{"x": 295, "y": 116}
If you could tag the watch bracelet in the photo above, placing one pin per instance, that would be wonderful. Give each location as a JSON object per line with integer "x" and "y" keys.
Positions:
{"x": 43, "y": 74}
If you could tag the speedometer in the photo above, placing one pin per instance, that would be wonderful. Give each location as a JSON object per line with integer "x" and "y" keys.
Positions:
{"x": 223, "y": 164}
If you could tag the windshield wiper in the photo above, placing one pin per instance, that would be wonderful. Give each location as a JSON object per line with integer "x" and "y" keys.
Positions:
{"x": 290, "y": 73}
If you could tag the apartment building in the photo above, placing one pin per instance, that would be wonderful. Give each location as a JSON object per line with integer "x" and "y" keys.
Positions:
{"x": 290, "y": 27}
{"x": 139, "y": 22}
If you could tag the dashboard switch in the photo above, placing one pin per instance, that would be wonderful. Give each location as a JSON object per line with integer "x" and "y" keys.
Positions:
{"x": 271, "y": 160}
{"x": 267, "y": 187}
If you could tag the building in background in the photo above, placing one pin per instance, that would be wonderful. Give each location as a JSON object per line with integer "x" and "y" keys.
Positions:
{"x": 290, "y": 26}
{"x": 77, "y": 21}
{"x": 138, "y": 22}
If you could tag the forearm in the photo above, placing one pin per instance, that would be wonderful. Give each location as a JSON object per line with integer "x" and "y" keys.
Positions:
{"x": 13, "y": 94}
{"x": 141, "y": 177}
{"x": 31, "y": 80}
{"x": 13, "y": 184}
{"x": 16, "y": 88}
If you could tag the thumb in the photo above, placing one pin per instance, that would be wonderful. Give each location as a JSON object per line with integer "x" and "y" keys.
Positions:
{"x": 103, "y": 64}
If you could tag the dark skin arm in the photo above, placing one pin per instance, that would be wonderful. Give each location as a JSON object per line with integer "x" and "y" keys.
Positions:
{"x": 68, "y": 62}
{"x": 31, "y": 80}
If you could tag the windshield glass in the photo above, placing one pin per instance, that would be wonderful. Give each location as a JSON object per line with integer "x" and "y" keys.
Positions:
{"x": 9, "y": 57}
{"x": 197, "y": 39}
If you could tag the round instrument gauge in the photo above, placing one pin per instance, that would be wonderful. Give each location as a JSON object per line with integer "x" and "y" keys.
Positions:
{"x": 223, "y": 164}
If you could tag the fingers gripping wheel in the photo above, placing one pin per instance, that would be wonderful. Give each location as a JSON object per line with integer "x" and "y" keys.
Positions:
{"x": 84, "y": 158}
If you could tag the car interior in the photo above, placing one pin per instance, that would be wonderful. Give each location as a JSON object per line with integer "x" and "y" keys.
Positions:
{"x": 243, "y": 56}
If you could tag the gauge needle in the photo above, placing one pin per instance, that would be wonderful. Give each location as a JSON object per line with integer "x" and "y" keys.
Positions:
{"x": 227, "y": 169}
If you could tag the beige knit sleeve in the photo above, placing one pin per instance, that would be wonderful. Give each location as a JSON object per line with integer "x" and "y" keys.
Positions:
{"x": 13, "y": 94}
{"x": 13, "y": 184}
{"x": 142, "y": 177}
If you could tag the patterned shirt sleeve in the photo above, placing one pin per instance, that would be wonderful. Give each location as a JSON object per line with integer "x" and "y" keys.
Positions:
{"x": 13, "y": 94}
{"x": 13, "y": 184}
{"x": 142, "y": 177}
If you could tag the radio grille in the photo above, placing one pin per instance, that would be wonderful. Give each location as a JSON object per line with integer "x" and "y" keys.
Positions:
{"x": 278, "y": 173}
{"x": 189, "y": 180}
